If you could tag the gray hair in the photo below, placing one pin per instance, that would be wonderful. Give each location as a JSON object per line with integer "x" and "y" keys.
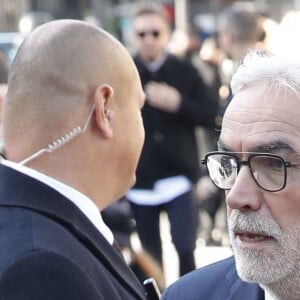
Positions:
{"x": 277, "y": 74}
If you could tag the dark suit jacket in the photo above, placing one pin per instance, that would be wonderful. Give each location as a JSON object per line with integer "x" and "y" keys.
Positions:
{"x": 50, "y": 250}
{"x": 170, "y": 147}
{"x": 218, "y": 281}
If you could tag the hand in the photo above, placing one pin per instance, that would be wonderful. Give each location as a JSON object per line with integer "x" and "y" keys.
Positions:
{"x": 162, "y": 96}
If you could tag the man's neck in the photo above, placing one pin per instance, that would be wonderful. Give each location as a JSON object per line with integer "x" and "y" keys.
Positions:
{"x": 287, "y": 288}
{"x": 156, "y": 64}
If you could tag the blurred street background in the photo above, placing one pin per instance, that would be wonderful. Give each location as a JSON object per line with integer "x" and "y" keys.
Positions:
{"x": 205, "y": 253}
{"x": 115, "y": 15}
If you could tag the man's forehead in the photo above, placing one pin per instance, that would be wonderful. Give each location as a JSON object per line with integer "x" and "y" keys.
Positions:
{"x": 255, "y": 117}
{"x": 260, "y": 101}
{"x": 150, "y": 20}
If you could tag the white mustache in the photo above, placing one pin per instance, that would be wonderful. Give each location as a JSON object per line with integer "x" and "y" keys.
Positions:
{"x": 251, "y": 222}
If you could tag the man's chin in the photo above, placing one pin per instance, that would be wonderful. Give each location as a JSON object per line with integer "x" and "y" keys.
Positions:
{"x": 149, "y": 57}
{"x": 133, "y": 181}
{"x": 130, "y": 184}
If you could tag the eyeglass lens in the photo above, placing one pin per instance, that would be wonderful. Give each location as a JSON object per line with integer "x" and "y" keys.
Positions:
{"x": 153, "y": 33}
{"x": 268, "y": 171}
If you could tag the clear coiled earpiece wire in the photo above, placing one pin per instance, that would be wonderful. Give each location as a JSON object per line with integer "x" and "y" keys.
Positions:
{"x": 62, "y": 140}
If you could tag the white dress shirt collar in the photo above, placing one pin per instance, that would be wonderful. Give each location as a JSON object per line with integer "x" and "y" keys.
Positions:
{"x": 156, "y": 65}
{"x": 268, "y": 296}
{"x": 86, "y": 205}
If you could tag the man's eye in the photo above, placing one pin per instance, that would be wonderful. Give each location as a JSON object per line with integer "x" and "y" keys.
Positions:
{"x": 271, "y": 163}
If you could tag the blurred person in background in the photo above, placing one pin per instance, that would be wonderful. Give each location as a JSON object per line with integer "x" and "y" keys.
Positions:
{"x": 73, "y": 134}
{"x": 177, "y": 100}
{"x": 209, "y": 197}
{"x": 239, "y": 28}
{"x": 205, "y": 56}
{"x": 4, "y": 68}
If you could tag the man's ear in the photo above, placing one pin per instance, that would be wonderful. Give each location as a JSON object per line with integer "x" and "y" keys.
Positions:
{"x": 104, "y": 103}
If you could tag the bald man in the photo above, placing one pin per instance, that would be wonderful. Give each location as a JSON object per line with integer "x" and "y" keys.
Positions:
{"x": 72, "y": 134}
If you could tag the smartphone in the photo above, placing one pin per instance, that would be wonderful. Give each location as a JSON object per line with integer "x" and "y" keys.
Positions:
{"x": 152, "y": 290}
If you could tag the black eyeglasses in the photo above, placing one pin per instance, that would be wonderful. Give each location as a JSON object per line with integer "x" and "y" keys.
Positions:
{"x": 154, "y": 33}
{"x": 269, "y": 171}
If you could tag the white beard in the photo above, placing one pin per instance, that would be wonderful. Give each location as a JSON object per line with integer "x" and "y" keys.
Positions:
{"x": 277, "y": 267}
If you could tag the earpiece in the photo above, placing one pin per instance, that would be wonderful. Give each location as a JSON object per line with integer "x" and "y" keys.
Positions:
{"x": 108, "y": 113}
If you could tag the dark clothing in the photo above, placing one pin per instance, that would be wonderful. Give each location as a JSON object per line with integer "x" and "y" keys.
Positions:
{"x": 170, "y": 149}
{"x": 170, "y": 144}
{"x": 50, "y": 250}
{"x": 214, "y": 282}
{"x": 118, "y": 217}
{"x": 182, "y": 216}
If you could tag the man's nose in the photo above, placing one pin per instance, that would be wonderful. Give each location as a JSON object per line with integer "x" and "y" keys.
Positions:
{"x": 245, "y": 194}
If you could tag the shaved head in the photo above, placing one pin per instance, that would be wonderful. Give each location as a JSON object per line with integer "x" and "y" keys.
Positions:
{"x": 57, "y": 77}
{"x": 55, "y": 70}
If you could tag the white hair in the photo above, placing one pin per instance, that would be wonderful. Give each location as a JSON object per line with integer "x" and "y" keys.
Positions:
{"x": 277, "y": 74}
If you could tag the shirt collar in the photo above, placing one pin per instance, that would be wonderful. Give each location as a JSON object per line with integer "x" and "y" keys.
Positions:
{"x": 156, "y": 65}
{"x": 86, "y": 205}
{"x": 268, "y": 296}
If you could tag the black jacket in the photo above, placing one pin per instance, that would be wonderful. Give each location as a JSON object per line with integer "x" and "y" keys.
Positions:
{"x": 50, "y": 250}
{"x": 170, "y": 144}
{"x": 218, "y": 281}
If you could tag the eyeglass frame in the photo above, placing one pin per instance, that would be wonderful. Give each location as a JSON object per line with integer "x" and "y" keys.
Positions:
{"x": 240, "y": 163}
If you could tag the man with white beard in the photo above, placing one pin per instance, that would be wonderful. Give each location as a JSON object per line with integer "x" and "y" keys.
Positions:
{"x": 258, "y": 166}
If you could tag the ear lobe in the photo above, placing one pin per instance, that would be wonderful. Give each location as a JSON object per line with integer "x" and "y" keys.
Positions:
{"x": 103, "y": 100}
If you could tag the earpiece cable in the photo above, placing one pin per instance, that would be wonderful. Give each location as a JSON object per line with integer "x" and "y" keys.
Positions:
{"x": 61, "y": 141}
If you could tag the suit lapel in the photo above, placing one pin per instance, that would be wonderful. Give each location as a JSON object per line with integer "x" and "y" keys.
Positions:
{"x": 19, "y": 190}
{"x": 239, "y": 289}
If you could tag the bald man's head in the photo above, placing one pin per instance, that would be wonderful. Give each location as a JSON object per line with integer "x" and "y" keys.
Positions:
{"x": 67, "y": 74}
{"x": 56, "y": 72}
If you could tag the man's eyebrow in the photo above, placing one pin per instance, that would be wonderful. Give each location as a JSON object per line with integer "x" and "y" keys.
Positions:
{"x": 272, "y": 147}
